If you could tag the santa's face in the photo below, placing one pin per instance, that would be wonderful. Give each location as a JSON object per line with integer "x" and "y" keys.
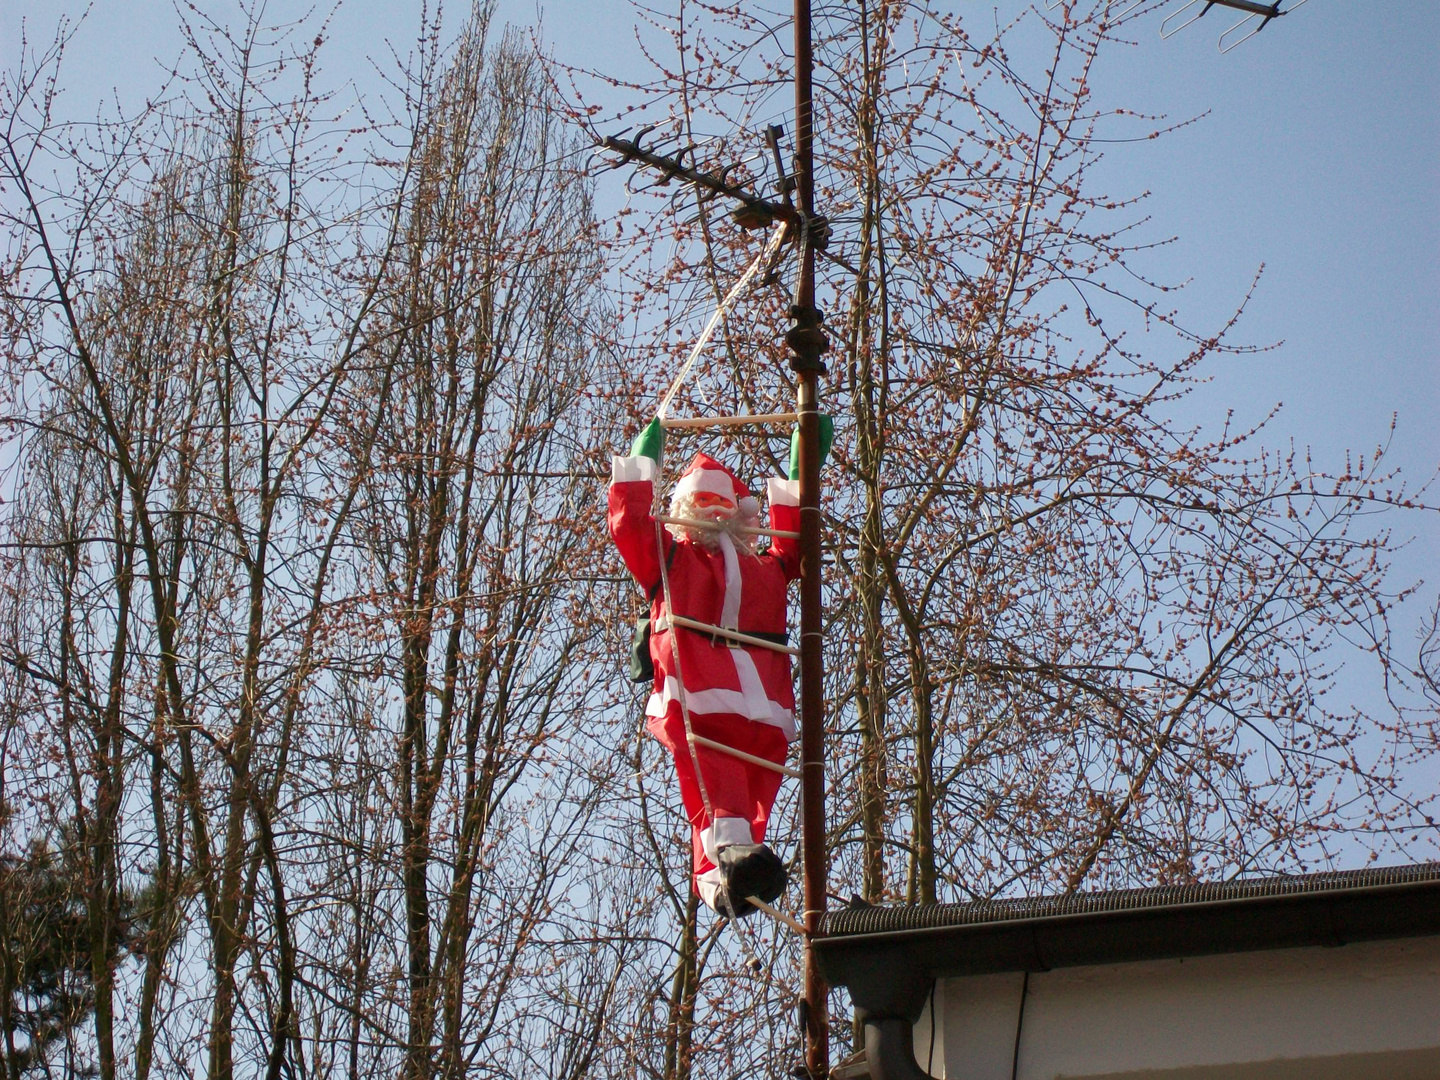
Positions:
{"x": 706, "y": 506}
{"x": 711, "y": 507}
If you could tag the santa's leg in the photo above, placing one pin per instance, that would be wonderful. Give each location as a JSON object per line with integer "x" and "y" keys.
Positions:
{"x": 728, "y": 788}
{"x": 726, "y": 820}
{"x": 726, "y": 848}
{"x": 753, "y": 869}
{"x": 768, "y": 742}
{"x": 742, "y": 865}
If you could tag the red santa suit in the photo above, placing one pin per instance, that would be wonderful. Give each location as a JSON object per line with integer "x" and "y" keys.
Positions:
{"x": 738, "y": 695}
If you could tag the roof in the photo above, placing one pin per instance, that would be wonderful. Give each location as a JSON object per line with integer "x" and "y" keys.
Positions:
{"x": 867, "y": 946}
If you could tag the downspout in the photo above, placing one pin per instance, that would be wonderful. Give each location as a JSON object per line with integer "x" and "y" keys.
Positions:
{"x": 889, "y": 991}
{"x": 890, "y": 1049}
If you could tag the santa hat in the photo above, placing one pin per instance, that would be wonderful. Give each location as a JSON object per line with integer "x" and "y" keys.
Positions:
{"x": 707, "y": 474}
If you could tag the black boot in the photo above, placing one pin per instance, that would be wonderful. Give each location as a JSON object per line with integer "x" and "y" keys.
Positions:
{"x": 750, "y": 870}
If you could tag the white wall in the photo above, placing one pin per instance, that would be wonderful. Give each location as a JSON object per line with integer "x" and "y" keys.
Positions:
{"x": 1370, "y": 1009}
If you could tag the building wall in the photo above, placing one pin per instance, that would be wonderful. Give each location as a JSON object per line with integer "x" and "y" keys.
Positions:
{"x": 1364, "y": 1010}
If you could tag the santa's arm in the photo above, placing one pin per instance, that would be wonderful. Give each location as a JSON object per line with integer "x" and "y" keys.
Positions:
{"x": 784, "y": 496}
{"x": 632, "y": 485}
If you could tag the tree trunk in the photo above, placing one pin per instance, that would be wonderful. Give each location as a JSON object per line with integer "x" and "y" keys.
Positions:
{"x": 680, "y": 1028}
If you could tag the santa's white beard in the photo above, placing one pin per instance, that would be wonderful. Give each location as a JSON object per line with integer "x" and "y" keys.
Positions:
{"x": 732, "y": 521}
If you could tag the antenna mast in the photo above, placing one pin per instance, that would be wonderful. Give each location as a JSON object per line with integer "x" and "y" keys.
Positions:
{"x": 807, "y": 341}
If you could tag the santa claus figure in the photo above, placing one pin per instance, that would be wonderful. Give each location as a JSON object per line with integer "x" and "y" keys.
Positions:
{"x": 738, "y": 695}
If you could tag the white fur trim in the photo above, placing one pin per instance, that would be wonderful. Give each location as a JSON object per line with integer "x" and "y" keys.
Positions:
{"x": 708, "y": 886}
{"x": 712, "y": 480}
{"x": 782, "y": 492}
{"x": 720, "y": 700}
{"x": 730, "y": 606}
{"x": 731, "y": 830}
{"x": 750, "y": 684}
{"x": 629, "y": 470}
{"x": 724, "y": 832}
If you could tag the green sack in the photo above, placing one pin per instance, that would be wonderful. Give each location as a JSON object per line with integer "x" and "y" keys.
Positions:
{"x": 642, "y": 668}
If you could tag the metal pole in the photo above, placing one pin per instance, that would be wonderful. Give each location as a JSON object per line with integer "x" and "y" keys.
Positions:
{"x": 808, "y": 342}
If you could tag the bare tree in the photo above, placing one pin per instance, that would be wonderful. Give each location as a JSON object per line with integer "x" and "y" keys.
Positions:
{"x": 1073, "y": 641}
{"x": 310, "y": 676}
{"x": 475, "y": 514}
{"x": 304, "y": 647}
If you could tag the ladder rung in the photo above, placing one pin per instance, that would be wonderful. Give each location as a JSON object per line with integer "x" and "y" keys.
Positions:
{"x": 728, "y": 421}
{"x": 700, "y": 523}
{"x": 764, "y": 763}
{"x": 733, "y": 635}
{"x": 776, "y": 914}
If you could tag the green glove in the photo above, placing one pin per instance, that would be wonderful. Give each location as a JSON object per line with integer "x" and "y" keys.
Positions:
{"x": 827, "y": 437}
{"x": 649, "y": 442}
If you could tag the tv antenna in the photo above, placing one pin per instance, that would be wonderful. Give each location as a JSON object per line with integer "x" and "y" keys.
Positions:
{"x": 1264, "y": 13}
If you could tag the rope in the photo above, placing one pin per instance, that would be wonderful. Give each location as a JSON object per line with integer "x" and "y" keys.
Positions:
{"x": 679, "y": 674}
{"x": 771, "y": 246}
{"x": 801, "y": 248}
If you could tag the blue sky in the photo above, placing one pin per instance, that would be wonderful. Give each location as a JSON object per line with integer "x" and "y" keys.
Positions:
{"x": 1318, "y": 157}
